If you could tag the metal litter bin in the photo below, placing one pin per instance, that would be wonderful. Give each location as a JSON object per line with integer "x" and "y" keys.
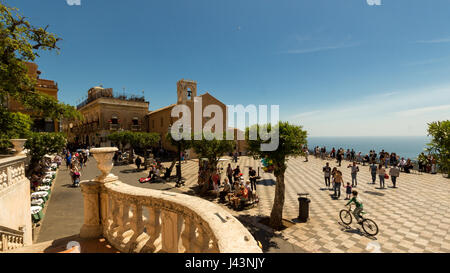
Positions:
{"x": 303, "y": 207}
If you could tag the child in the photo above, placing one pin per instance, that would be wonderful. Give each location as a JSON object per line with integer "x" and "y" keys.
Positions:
{"x": 348, "y": 191}
{"x": 359, "y": 206}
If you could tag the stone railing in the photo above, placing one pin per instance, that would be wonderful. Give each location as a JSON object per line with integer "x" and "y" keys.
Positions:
{"x": 135, "y": 219}
{"x": 12, "y": 170}
{"x": 10, "y": 239}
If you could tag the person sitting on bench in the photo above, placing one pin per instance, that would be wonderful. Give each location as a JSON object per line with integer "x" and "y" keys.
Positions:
{"x": 226, "y": 190}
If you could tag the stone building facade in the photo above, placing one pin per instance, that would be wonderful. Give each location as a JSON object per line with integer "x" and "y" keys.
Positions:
{"x": 105, "y": 113}
{"x": 160, "y": 120}
{"x": 43, "y": 86}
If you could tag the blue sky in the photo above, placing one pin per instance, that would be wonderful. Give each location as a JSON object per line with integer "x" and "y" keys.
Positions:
{"x": 337, "y": 67}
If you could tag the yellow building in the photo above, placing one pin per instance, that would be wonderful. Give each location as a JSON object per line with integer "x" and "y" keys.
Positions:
{"x": 104, "y": 113}
{"x": 43, "y": 86}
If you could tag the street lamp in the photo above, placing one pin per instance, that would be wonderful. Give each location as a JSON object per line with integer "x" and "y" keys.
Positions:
{"x": 179, "y": 182}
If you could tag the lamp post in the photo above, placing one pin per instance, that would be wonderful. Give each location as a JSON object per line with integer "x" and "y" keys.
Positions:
{"x": 179, "y": 182}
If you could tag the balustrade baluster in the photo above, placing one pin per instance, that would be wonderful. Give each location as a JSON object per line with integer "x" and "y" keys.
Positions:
{"x": 188, "y": 235}
{"x": 153, "y": 229}
{"x": 137, "y": 226}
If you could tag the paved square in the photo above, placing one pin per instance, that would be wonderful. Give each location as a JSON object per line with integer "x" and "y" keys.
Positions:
{"x": 411, "y": 218}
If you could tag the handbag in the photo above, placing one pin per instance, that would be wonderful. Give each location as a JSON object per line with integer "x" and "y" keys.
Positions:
{"x": 386, "y": 176}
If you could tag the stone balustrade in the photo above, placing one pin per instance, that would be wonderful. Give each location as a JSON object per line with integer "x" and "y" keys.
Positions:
{"x": 140, "y": 220}
{"x": 12, "y": 170}
{"x": 10, "y": 239}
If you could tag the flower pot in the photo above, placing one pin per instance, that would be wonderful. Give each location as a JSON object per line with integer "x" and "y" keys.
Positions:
{"x": 18, "y": 146}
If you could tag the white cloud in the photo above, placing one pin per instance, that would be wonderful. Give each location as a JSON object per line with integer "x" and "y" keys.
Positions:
{"x": 434, "y": 41}
{"x": 373, "y": 2}
{"x": 398, "y": 113}
{"x": 73, "y": 2}
{"x": 319, "y": 48}
{"x": 424, "y": 110}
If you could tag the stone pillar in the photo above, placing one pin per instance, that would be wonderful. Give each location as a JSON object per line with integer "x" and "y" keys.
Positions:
{"x": 92, "y": 227}
{"x": 95, "y": 195}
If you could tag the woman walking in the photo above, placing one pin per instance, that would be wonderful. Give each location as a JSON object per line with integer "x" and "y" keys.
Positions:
{"x": 381, "y": 173}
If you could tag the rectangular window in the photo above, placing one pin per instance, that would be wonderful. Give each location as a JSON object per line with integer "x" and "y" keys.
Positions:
{"x": 162, "y": 122}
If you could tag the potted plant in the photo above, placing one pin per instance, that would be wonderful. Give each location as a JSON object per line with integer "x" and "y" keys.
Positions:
{"x": 16, "y": 129}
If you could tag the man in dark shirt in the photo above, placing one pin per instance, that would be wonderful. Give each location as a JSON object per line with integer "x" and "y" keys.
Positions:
{"x": 252, "y": 176}
{"x": 327, "y": 173}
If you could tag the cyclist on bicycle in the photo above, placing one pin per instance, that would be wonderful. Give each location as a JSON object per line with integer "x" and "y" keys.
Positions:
{"x": 359, "y": 206}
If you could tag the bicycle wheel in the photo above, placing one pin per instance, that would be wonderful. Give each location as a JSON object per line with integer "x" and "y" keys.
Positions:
{"x": 346, "y": 217}
{"x": 370, "y": 227}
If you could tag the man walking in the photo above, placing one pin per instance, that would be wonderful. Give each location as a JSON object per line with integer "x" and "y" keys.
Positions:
{"x": 138, "y": 163}
{"x": 355, "y": 170}
{"x": 394, "y": 172}
{"x": 230, "y": 174}
{"x": 327, "y": 174}
{"x": 252, "y": 176}
{"x": 373, "y": 172}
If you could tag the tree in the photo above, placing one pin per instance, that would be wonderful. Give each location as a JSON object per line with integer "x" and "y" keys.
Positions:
{"x": 13, "y": 125}
{"x": 21, "y": 42}
{"x": 211, "y": 148}
{"x": 291, "y": 140}
{"x": 440, "y": 144}
{"x": 123, "y": 138}
{"x": 143, "y": 141}
{"x": 40, "y": 144}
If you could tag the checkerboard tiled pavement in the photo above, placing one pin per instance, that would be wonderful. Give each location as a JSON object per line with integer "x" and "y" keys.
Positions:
{"x": 412, "y": 218}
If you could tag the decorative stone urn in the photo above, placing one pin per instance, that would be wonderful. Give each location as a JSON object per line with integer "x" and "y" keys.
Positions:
{"x": 104, "y": 163}
{"x": 18, "y": 146}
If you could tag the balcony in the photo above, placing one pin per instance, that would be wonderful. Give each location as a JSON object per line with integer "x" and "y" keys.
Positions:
{"x": 114, "y": 127}
{"x": 141, "y": 220}
{"x": 135, "y": 127}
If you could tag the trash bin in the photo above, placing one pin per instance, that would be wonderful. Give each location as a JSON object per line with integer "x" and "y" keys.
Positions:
{"x": 303, "y": 207}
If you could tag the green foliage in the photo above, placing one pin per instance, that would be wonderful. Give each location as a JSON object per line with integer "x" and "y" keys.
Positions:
{"x": 12, "y": 125}
{"x": 137, "y": 140}
{"x": 440, "y": 144}
{"x": 292, "y": 138}
{"x": 40, "y": 144}
{"x": 208, "y": 146}
{"x": 21, "y": 42}
{"x": 144, "y": 141}
{"x": 121, "y": 137}
{"x": 184, "y": 144}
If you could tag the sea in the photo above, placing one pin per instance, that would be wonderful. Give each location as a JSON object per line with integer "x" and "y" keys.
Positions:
{"x": 404, "y": 146}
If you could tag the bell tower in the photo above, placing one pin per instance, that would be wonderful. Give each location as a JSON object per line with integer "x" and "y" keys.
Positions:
{"x": 186, "y": 91}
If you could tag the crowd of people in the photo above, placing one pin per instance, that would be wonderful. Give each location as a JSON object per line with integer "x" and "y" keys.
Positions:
{"x": 382, "y": 166}
{"x": 235, "y": 190}
{"x": 39, "y": 173}
{"x": 426, "y": 163}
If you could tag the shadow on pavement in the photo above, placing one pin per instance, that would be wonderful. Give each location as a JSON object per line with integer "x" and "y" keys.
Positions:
{"x": 349, "y": 229}
{"x": 266, "y": 182}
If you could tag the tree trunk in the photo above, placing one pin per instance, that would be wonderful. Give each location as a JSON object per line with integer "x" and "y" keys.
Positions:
{"x": 276, "y": 216}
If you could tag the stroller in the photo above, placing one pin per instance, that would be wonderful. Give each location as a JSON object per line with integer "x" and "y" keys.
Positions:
{"x": 76, "y": 178}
